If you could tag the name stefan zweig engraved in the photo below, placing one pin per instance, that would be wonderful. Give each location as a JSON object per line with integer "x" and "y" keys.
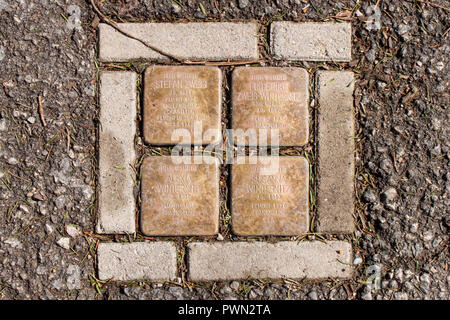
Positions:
{"x": 180, "y": 84}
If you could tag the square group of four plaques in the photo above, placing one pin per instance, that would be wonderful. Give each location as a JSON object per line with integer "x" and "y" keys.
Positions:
{"x": 183, "y": 104}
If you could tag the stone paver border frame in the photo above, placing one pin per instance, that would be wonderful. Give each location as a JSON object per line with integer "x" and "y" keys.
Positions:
{"x": 181, "y": 255}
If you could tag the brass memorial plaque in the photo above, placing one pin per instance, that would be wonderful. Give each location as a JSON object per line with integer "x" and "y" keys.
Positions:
{"x": 182, "y": 104}
{"x": 274, "y": 203}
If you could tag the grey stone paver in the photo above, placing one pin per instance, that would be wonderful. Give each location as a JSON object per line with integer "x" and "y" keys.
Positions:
{"x": 155, "y": 261}
{"x": 336, "y": 145}
{"x": 241, "y": 260}
{"x": 195, "y": 41}
{"x": 311, "y": 41}
{"x": 116, "y": 202}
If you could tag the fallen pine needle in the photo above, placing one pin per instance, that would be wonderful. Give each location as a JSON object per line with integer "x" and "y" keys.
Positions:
{"x": 68, "y": 139}
{"x": 95, "y": 235}
{"x": 434, "y": 4}
{"x": 41, "y": 112}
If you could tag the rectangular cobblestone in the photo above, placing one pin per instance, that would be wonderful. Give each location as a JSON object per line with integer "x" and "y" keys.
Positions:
{"x": 214, "y": 41}
{"x": 156, "y": 261}
{"x": 336, "y": 147}
{"x": 116, "y": 202}
{"x": 311, "y": 41}
{"x": 261, "y": 260}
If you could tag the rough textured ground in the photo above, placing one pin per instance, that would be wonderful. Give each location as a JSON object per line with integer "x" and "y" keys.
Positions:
{"x": 48, "y": 173}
